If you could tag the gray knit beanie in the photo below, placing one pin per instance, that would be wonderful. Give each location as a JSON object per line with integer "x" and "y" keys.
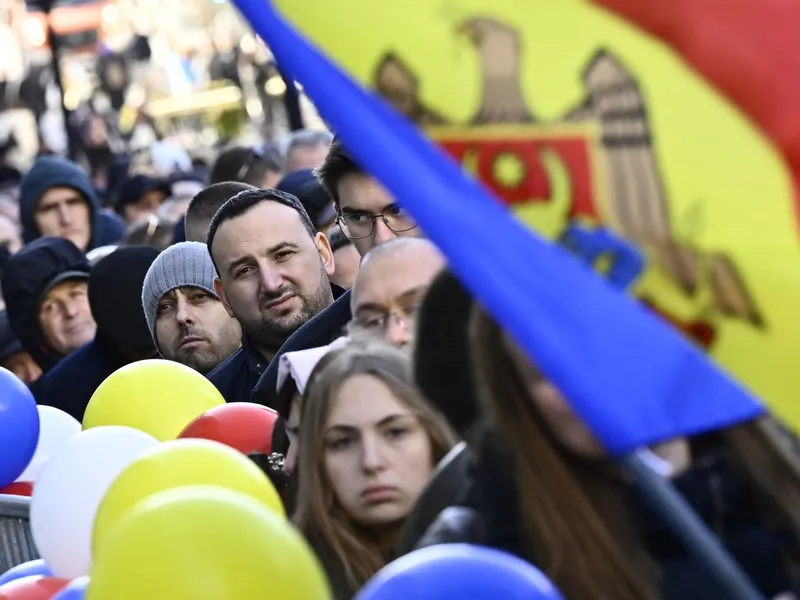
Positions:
{"x": 182, "y": 265}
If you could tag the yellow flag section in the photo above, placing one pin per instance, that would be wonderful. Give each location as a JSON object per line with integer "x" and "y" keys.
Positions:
{"x": 600, "y": 137}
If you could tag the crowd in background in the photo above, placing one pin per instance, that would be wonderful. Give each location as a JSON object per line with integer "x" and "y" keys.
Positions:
{"x": 290, "y": 278}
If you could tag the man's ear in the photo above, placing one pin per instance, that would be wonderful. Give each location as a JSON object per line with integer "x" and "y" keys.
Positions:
{"x": 325, "y": 252}
{"x": 222, "y": 297}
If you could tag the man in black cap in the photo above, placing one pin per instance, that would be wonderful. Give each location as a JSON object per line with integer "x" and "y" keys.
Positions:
{"x": 115, "y": 291}
{"x": 45, "y": 286}
{"x": 307, "y": 188}
{"x": 140, "y": 196}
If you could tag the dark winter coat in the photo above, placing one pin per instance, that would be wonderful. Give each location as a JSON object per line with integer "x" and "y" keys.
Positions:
{"x": 115, "y": 291}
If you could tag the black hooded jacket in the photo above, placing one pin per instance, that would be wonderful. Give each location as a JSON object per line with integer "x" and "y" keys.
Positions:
{"x": 115, "y": 296}
{"x": 49, "y": 172}
{"x": 26, "y": 276}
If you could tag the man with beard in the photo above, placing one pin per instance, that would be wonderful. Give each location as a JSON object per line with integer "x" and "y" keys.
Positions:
{"x": 186, "y": 319}
{"x": 272, "y": 275}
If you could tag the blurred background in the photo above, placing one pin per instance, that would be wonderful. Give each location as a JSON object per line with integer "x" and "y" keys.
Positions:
{"x": 94, "y": 79}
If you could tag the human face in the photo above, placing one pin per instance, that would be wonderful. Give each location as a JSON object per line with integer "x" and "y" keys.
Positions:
{"x": 362, "y": 194}
{"x": 65, "y": 317}
{"x": 347, "y": 261}
{"x": 566, "y": 426}
{"x": 147, "y": 205}
{"x": 194, "y": 329}
{"x": 389, "y": 290}
{"x": 293, "y": 433}
{"x": 273, "y": 275}
{"x": 64, "y": 212}
{"x": 377, "y": 455}
{"x": 306, "y": 157}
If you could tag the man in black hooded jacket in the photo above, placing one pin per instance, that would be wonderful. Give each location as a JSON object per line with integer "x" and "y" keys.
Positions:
{"x": 56, "y": 198}
{"x": 115, "y": 292}
{"x": 45, "y": 289}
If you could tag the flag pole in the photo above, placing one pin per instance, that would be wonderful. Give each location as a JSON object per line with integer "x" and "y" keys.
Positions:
{"x": 697, "y": 538}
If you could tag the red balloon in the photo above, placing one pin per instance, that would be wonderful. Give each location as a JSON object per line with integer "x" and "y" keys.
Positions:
{"x": 245, "y": 426}
{"x": 35, "y": 587}
{"x": 18, "y": 488}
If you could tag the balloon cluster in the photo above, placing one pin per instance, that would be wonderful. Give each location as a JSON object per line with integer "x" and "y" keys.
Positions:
{"x": 153, "y": 496}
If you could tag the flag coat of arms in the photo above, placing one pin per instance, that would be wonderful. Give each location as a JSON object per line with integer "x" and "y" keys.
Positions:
{"x": 654, "y": 142}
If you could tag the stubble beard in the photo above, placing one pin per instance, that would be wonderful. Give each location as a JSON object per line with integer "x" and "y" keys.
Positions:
{"x": 271, "y": 334}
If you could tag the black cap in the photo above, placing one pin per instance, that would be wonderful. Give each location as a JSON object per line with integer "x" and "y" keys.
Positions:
{"x": 132, "y": 189}
{"x": 312, "y": 196}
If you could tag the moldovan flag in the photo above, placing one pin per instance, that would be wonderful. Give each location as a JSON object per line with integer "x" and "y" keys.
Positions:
{"x": 600, "y": 137}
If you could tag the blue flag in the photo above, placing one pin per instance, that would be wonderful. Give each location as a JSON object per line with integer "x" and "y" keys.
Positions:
{"x": 634, "y": 380}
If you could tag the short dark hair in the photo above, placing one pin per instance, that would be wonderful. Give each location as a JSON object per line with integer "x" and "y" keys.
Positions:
{"x": 245, "y": 164}
{"x": 207, "y": 202}
{"x": 338, "y": 163}
{"x": 337, "y": 238}
{"x": 245, "y": 201}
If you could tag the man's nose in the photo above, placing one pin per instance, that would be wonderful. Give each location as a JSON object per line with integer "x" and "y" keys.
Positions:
{"x": 65, "y": 214}
{"x": 398, "y": 331}
{"x": 182, "y": 314}
{"x": 382, "y": 232}
{"x": 72, "y": 308}
{"x": 270, "y": 279}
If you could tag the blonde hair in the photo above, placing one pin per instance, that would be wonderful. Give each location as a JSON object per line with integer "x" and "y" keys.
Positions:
{"x": 319, "y": 515}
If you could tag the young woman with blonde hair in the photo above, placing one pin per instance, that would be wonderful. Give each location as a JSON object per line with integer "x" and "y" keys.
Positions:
{"x": 368, "y": 446}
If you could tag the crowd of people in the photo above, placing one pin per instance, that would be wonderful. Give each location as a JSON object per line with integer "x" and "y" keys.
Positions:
{"x": 290, "y": 278}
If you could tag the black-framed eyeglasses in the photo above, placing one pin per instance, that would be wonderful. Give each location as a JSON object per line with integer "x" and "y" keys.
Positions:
{"x": 361, "y": 224}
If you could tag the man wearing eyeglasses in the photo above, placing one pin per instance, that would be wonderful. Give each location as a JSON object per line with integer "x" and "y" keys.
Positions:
{"x": 391, "y": 284}
{"x": 366, "y": 213}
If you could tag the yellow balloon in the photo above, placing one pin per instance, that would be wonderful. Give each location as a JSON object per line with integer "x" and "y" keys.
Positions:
{"x": 159, "y": 397}
{"x": 205, "y": 543}
{"x": 176, "y": 464}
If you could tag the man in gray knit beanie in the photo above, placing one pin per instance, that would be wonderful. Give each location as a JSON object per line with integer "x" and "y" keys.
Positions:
{"x": 186, "y": 319}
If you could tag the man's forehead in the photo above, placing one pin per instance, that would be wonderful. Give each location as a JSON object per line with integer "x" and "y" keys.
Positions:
{"x": 65, "y": 287}
{"x": 60, "y": 194}
{"x": 266, "y": 225}
{"x": 388, "y": 277}
{"x": 363, "y": 192}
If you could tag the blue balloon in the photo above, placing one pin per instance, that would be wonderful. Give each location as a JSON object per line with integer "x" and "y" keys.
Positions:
{"x": 19, "y": 427}
{"x": 32, "y": 567}
{"x": 459, "y": 571}
{"x": 75, "y": 590}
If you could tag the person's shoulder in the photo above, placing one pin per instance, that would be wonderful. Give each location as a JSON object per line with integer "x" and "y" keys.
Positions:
{"x": 72, "y": 366}
{"x": 323, "y": 327}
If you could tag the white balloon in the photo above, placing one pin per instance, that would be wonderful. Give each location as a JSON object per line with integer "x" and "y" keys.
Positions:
{"x": 55, "y": 428}
{"x": 69, "y": 489}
